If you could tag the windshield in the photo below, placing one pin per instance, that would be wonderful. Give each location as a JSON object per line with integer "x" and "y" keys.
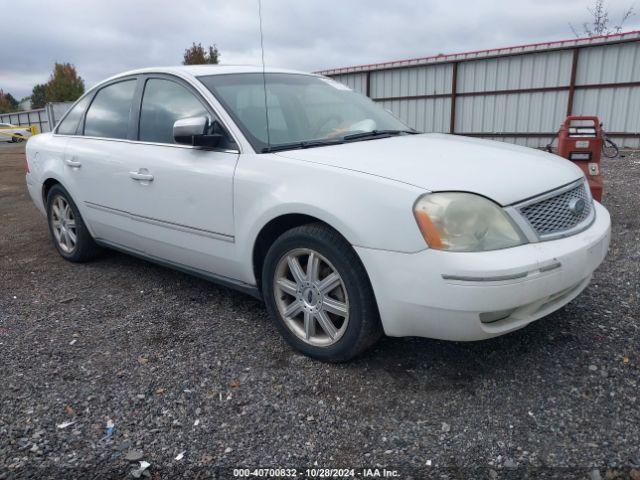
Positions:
{"x": 302, "y": 109}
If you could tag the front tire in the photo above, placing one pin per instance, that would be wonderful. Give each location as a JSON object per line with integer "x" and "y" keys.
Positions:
{"x": 70, "y": 235}
{"x": 318, "y": 294}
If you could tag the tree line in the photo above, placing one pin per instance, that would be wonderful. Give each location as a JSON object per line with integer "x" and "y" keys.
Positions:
{"x": 65, "y": 85}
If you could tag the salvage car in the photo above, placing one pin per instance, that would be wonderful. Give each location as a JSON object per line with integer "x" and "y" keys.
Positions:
{"x": 13, "y": 133}
{"x": 296, "y": 189}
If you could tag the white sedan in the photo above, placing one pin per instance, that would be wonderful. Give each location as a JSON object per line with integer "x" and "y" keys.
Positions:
{"x": 297, "y": 190}
{"x": 13, "y": 133}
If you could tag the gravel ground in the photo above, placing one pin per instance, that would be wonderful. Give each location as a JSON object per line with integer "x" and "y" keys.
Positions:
{"x": 177, "y": 364}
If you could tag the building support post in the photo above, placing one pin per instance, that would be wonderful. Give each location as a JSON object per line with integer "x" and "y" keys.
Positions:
{"x": 368, "y": 84}
{"x": 572, "y": 81}
{"x": 454, "y": 88}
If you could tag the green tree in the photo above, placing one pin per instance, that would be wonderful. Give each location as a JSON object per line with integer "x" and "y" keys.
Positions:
{"x": 197, "y": 55}
{"x": 64, "y": 85}
{"x": 38, "y": 96}
{"x": 7, "y": 103}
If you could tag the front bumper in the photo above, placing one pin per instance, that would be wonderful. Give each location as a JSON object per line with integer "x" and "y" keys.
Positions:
{"x": 445, "y": 295}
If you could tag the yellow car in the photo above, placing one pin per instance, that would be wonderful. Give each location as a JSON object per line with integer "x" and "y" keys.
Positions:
{"x": 13, "y": 133}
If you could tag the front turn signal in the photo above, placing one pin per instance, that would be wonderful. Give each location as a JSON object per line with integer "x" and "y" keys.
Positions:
{"x": 428, "y": 230}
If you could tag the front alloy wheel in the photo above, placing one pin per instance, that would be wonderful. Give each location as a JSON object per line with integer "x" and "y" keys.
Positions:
{"x": 319, "y": 295}
{"x": 311, "y": 297}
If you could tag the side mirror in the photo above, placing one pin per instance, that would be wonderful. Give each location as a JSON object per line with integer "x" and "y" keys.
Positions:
{"x": 193, "y": 131}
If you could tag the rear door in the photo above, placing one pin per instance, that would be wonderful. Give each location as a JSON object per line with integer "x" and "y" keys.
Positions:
{"x": 97, "y": 159}
{"x": 179, "y": 197}
{"x": 72, "y": 177}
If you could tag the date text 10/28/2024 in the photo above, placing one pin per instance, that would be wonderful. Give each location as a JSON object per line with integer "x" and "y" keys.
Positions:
{"x": 316, "y": 472}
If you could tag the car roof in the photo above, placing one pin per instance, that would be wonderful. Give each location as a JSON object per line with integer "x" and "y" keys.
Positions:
{"x": 201, "y": 70}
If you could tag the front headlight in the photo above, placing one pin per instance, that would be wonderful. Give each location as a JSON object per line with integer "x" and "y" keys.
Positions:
{"x": 464, "y": 222}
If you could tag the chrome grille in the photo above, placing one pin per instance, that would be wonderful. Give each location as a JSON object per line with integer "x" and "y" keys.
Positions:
{"x": 555, "y": 215}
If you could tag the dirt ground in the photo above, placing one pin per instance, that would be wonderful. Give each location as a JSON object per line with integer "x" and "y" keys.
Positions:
{"x": 148, "y": 363}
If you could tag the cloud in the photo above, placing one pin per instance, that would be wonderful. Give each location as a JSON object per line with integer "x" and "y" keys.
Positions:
{"x": 104, "y": 38}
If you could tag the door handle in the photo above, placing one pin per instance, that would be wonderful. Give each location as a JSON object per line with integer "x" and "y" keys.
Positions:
{"x": 141, "y": 177}
{"x": 72, "y": 163}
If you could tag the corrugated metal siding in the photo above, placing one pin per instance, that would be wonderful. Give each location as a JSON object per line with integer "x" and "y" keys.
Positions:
{"x": 618, "y": 108}
{"x": 425, "y": 115}
{"x": 609, "y": 64}
{"x": 535, "y": 112}
{"x": 431, "y": 80}
{"x": 534, "y": 70}
{"x": 355, "y": 81}
{"x": 525, "y": 112}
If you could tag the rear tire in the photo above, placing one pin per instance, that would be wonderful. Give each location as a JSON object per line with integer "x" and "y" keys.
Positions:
{"x": 318, "y": 294}
{"x": 70, "y": 235}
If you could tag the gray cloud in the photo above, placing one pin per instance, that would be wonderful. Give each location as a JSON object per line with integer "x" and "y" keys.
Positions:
{"x": 104, "y": 38}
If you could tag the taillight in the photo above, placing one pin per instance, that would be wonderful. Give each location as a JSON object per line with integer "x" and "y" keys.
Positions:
{"x": 26, "y": 164}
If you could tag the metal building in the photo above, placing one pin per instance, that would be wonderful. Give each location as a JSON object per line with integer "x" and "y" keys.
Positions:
{"x": 517, "y": 94}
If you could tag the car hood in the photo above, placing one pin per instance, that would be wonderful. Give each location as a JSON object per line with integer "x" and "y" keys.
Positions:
{"x": 503, "y": 172}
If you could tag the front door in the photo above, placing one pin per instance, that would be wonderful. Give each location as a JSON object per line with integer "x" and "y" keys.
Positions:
{"x": 179, "y": 198}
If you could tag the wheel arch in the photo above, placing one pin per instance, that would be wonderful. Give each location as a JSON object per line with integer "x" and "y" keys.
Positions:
{"x": 47, "y": 184}
{"x": 275, "y": 227}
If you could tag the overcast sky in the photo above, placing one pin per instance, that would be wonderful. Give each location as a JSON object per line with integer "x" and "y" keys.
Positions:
{"x": 106, "y": 37}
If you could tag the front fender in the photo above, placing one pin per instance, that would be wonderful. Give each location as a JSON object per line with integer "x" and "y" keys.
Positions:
{"x": 369, "y": 211}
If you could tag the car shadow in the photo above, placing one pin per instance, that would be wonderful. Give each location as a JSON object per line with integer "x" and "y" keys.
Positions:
{"x": 428, "y": 364}
{"x": 410, "y": 362}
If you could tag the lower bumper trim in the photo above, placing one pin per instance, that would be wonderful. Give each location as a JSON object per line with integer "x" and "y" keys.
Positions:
{"x": 501, "y": 278}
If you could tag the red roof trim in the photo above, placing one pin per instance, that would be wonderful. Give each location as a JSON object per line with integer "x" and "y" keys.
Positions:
{"x": 372, "y": 66}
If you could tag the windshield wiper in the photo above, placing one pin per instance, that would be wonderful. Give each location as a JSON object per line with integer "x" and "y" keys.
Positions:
{"x": 346, "y": 138}
{"x": 376, "y": 133}
{"x": 300, "y": 145}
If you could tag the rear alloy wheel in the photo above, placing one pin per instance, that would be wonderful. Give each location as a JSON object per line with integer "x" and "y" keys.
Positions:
{"x": 318, "y": 294}
{"x": 63, "y": 224}
{"x": 68, "y": 231}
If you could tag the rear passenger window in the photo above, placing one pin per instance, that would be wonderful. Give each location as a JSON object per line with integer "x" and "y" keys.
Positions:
{"x": 108, "y": 115}
{"x": 163, "y": 103}
{"x": 69, "y": 125}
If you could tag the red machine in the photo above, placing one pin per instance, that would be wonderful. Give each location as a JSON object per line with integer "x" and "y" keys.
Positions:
{"x": 580, "y": 140}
